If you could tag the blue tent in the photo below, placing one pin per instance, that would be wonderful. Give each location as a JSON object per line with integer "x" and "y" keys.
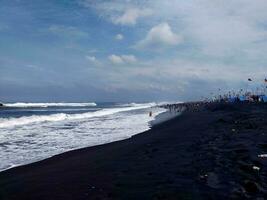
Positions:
{"x": 242, "y": 98}
{"x": 263, "y": 98}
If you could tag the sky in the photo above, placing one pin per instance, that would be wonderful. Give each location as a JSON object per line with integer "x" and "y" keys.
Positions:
{"x": 129, "y": 50}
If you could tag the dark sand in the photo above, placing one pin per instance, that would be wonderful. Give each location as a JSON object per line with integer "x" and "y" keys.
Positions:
{"x": 208, "y": 154}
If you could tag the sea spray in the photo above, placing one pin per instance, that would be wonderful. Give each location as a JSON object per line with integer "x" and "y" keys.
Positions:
{"x": 27, "y": 137}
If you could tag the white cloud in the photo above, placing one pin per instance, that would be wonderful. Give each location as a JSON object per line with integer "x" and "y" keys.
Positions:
{"x": 221, "y": 41}
{"x": 129, "y": 58}
{"x": 115, "y": 59}
{"x": 211, "y": 27}
{"x": 130, "y": 16}
{"x": 221, "y": 30}
{"x": 215, "y": 28}
{"x": 91, "y": 58}
{"x": 160, "y": 36}
{"x": 119, "y": 37}
{"x": 120, "y": 11}
{"x": 121, "y": 59}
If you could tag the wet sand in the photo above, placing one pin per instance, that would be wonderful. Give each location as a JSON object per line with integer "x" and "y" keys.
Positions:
{"x": 209, "y": 154}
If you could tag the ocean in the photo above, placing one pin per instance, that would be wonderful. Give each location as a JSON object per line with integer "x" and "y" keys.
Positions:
{"x": 30, "y": 132}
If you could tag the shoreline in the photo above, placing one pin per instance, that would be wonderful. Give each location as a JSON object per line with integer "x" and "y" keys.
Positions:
{"x": 211, "y": 153}
{"x": 154, "y": 121}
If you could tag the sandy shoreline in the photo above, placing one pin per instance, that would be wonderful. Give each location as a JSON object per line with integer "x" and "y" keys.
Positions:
{"x": 209, "y": 154}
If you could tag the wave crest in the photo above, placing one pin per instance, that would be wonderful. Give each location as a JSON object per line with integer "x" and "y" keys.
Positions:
{"x": 10, "y": 122}
{"x": 45, "y": 105}
{"x": 138, "y": 104}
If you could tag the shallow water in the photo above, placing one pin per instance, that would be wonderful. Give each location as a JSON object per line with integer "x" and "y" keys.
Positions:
{"x": 33, "y": 132}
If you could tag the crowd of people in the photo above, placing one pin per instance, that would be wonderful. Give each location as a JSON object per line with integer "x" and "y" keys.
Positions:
{"x": 189, "y": 106}
{"x": 231, "y": 97}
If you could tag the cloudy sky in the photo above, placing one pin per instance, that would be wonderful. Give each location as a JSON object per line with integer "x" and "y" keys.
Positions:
{"x": 129, "y": 50}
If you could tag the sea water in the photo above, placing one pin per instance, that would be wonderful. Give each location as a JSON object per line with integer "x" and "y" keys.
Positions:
{"x": 30, "y": 132}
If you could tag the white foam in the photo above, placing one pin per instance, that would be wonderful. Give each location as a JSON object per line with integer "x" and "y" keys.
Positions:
{"x": 44, "y": 105}
{"x": 138, "y": 104}
{"x": 169, "y": 102}
{"x": 37, "y": 141}
{"x": 10, "y": 122}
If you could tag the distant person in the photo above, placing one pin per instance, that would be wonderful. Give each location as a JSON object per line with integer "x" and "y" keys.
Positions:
{"x": 150, "y": 114}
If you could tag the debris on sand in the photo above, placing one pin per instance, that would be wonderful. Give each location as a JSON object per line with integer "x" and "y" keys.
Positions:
{"x": 262, "y": 156}
{"x": 256, "y": 168}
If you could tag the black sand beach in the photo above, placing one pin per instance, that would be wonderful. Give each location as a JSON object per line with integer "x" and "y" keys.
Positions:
{"x": 209, "y": 154}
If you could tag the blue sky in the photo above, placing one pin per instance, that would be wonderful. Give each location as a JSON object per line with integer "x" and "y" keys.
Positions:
{"x": 134, "y": 50}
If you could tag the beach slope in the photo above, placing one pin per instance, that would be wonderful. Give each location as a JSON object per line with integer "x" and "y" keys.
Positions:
{"x": 214, "y": 153}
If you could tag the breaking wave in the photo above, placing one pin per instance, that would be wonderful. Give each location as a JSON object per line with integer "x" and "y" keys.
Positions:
{"x": 19, "y": 121}
{"x": 138, "y": 104}
{"x": 44, "y": 105}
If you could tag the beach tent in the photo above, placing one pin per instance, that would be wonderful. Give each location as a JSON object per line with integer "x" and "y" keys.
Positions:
{"x": 242, "y": 98}
{"x": 263, "y": 98}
